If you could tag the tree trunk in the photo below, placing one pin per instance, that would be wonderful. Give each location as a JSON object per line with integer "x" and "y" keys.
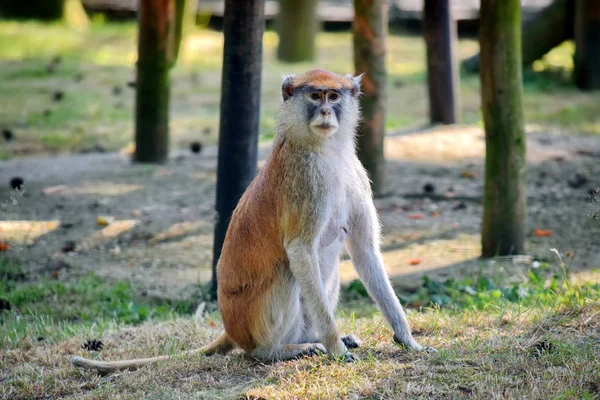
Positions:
{"x": 74, "y": 15}
{"x": 155, "y": 58}
{"x": 243, "y": 27}
{"x": 185, "y": 19}
{"x": 370, "y": 30}
{"x": 587, "y": 44}
{"x": 504, "y": 208}
{"x": 546, "y": 30}
{"x": 297, "y": 25}
{"x": 442, "y": 68}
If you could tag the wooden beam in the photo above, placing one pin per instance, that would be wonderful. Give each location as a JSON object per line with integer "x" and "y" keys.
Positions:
{"x": 297, "y": 26}
{"x": 587, "y": 44}
{"x": 442, "y": 65}
{"x": 155, "y": 58}
{"x": 243, "y": 28}
{"x": 370, "y": 30}
{"x": 505, "y": 197}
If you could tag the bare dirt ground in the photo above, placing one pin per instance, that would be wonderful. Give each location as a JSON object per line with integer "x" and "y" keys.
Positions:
{"x": 160, "y": 217}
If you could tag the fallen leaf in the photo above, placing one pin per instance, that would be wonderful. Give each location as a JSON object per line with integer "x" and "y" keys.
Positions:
{"x": 416, "y": 216}
{"x": 104, "y": 221}
{"x": 3, "y": 247}
{"x": 468, "y": 174}
{"x": 435, "y": 214}
{"x": 543, "y": 232}
{"x": 414, "y": 261}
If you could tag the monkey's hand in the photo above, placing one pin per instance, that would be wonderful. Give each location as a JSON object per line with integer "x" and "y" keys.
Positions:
{"x": 411, "y": 344}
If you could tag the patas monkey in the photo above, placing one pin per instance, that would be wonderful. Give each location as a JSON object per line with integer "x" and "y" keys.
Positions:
{"x": 278, "y": 278}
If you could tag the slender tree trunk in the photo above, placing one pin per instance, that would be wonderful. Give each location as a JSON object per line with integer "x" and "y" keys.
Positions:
{"x": 442, "y": 67}
{"x": 185, "y": 19}
{"x": 547, "y": 29}
{"x": 504, "y": 208}
{"x": 243, "y": 28}
{"x": 155, "y": 59}
{"x": 297, "y": 25}
{"x": 587, "y": 44}
{"x": 370, "y": 30}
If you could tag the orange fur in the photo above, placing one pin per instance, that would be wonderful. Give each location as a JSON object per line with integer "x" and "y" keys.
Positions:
{"x": 322, "y": 78}
{"x": 252, "y": 252}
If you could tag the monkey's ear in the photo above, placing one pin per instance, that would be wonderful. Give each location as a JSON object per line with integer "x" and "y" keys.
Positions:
{"x": 355, "y": 80}
{"x": 287, "y": 87}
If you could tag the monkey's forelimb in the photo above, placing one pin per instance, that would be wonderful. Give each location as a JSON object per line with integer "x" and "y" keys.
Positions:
{"x": 221, "y": 345}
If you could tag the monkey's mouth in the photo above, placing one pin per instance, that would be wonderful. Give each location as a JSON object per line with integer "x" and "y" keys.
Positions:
{"x": 324, "y": 126}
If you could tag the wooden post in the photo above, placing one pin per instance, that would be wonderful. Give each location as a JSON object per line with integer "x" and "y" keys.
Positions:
{"x": 370, "y": 30}
{"x": 504, "y": 208}
{"x": 297, "y": 25}
{"x": 587, "y": 44}
{"x": 243, "y": 27}
{"x": 185, "y": 19}
{"x": 442, "y": 67}
{"x": 155, "y": 59}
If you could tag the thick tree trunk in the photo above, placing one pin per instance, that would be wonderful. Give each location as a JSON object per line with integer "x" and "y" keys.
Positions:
{"x": 442, "y": 66}
{"x": 549, "y": 28}
{"x": 155, "y": 59}
{"x": 504, "y": 208}
{"x": 370, "y": 30}
{"x": 587, "y": 44}
{"x": 243, "y": 28}
{"x": 297, "y": 25}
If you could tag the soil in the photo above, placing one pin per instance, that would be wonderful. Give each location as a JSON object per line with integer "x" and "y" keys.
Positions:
{"x": 153, "y": 224}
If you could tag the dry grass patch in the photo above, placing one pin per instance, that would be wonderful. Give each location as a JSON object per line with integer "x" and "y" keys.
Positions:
{"x": 521, "y": 353}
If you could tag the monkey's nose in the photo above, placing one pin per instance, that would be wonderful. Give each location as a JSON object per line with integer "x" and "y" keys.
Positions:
{"x": 325, "y": 112}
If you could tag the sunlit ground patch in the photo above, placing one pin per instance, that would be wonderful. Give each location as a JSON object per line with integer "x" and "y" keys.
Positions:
{"x": 430, "y": 256}
{"x": 95, "y": 188}
{"x": 113, "y": 230}
{"x": 25, "y": 232}
{"x": 181, "y": 229}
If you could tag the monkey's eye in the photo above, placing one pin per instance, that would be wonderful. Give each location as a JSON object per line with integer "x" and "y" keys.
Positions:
{"x": 315, "y": 96}
{"x": 334, "y": 97}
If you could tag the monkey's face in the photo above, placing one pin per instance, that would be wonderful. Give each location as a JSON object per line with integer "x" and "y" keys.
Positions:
{"x": 320, "y": 104}
{"x": 323, "y": 108}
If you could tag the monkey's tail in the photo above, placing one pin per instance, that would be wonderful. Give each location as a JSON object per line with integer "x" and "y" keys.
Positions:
{"x": 221, "y": 345}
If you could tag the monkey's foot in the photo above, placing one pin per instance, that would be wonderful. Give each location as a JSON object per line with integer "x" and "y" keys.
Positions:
{"x": 289, "y": 352}
{"x": 352, "y": 341}
{"x": 410, "y": 344}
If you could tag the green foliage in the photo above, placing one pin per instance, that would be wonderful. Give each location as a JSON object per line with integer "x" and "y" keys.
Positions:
{"x": 52, "y": 308}
{"x": 484, "y": 293}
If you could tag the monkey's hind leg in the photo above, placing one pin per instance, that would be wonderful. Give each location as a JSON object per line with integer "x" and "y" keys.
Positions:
{"x": 288, "y": 352}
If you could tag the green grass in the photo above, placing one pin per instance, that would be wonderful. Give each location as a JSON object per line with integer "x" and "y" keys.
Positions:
{"x": 535, "y": 338}
{"x": 49, "y": 310}
{"x": 95, "y": 61}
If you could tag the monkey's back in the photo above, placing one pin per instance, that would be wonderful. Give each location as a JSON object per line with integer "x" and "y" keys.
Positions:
{"x": 252, "y": 256}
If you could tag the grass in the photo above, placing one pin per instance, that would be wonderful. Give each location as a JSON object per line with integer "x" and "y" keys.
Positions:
{"x": 48, "y": 310}
{"x": 97, "y": 108}
{"x": 536, "y": 338}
